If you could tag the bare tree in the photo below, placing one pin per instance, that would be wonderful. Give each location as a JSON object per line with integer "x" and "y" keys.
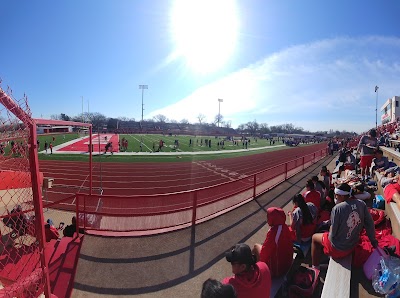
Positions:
{"x": 252, "y": 126}
{"x": 264, "y": 128}
{"x": 184, "y": 121}
{"x": 160, "y": 118}
{"x": 218, "y": 119}
{"x": 228, "y": 124}
{"x": 55, "y": 117}
{"x": 201, "y": 117}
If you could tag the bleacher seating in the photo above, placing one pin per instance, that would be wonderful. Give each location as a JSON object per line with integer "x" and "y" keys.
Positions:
{"x": 337, "y": 280}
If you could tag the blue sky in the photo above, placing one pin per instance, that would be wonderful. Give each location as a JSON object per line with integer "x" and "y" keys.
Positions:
{"x": 311, "y": 63}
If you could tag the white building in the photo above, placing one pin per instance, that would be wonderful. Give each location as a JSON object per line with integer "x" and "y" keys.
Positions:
{"x": 390, "y": 110}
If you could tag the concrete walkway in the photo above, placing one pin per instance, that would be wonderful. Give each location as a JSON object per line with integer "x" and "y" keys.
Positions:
{"x": 176, "y": 264}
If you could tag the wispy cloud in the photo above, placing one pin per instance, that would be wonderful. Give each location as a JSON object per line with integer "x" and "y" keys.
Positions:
{"x": 321, "y": 85}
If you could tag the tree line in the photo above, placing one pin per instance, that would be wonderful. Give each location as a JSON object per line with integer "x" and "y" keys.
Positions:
{"x": 100, "y": 121}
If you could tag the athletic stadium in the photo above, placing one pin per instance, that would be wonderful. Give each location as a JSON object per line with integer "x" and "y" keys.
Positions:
{"x": 199, "y": 148}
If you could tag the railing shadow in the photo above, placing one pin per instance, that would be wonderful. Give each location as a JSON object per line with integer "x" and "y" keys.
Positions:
{"x": 152, "y": 263}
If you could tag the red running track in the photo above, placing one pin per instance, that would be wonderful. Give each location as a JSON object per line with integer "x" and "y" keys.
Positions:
{"x": 130, "y": 179}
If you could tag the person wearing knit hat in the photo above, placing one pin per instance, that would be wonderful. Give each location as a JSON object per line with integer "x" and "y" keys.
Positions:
{"x": 251, "y": 279}
{"x": 348, "y": 218}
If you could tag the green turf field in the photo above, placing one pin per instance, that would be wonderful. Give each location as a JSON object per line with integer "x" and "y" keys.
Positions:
{"x": 147, "y": 146}
{"x": 150, "y": 143}
{"x": 59, "y": 139}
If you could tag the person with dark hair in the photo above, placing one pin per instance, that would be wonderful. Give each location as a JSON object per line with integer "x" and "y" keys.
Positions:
{"x": 358, "y": 191}
{"x": 277, "y": 250}
{"x": 367, "y": 146}
{"x": 381, "y": 163}
{"x": 212, "y": 288}
{"x": 326, "y": 178}
{"x": 251, "y": 279}
{"x": 311, "y": 195}
{"x": 350, "y": 161}
{"x": 303, "y": 219}
{"x": 348, "y": 218}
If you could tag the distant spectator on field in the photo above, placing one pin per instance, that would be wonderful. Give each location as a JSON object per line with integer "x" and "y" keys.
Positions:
{"x": 107, "y": 147}
{"x": 51, "y": 148}
{"x": 54, "y": 138}
{"x": 214, "y": 289}
{"x": 38, "y": 144}
{"x": 367, "y": 146}
{"x": 277, "y": 250}
{"x": 45, "y": 146}
{"x": 251, "y": 278}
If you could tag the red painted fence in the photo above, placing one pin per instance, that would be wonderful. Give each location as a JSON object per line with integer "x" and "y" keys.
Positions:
{"x": 151, "y": 214}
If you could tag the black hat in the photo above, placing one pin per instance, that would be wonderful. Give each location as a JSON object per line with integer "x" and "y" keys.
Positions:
{"x": 240, "y": 253}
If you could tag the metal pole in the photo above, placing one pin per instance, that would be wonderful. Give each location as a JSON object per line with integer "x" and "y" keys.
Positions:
{"x": 376, "y": 108}
{"x": 82, "y": 110}
{"x": 142, "y": 103}
{"x": 219, "y": 110}
{"x": 38, "y": 206}
{"x": 143, "y": 87}
{"x": 90, "y": 162}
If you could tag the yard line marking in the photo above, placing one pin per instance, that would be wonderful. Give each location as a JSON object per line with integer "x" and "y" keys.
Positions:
{"x": 143, "y": 143}
{"x": 204, "y": 165}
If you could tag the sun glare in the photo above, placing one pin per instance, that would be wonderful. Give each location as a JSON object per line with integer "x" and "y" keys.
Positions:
{"x": 204, "y": 32}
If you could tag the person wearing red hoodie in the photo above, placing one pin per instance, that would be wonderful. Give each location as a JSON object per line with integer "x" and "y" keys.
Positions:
{"x": 311, "y": 195}
{"x": 251, "y": 279}
{"x": 277, "y": 250}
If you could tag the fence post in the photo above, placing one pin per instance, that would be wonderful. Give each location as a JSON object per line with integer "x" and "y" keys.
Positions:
{"x": 254, "y": 185}
{"x": 303, "y": 162}
{"x": 286, "y": 169}
{"x": 77, "y": 215}
{"x": 84, "y": 212}
{"x": 314, "y": 158}
{"x": 194, "y": 213}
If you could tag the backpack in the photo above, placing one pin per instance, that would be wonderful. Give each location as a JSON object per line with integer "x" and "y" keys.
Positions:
{"x": 304, "y": 282}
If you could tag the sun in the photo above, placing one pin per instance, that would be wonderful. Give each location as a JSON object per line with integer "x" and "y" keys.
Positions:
{"x": 204, "y": 32}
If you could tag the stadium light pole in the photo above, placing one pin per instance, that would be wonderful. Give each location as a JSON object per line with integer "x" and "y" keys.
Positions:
{"x": 143, "y": 87}
{"x": 219, "y": 109}
{"x": 82, "y": 110}
{"x": 376, "y": 107}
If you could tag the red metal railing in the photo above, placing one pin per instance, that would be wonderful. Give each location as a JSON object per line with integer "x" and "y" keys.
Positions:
{"x": 150, "y": 214}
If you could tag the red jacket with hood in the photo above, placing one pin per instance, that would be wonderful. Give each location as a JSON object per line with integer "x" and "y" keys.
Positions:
{"x": 277, "y": 250}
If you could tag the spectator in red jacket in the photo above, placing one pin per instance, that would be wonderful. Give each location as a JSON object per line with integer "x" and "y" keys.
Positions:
{"x": 311, "y": 195}
{"x": 277, "y": 250}
{"x": 251, "y": 279}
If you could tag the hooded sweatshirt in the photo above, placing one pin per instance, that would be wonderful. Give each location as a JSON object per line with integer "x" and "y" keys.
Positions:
{"x": 255, "y": 283}
{"x": 277, "y": 250}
